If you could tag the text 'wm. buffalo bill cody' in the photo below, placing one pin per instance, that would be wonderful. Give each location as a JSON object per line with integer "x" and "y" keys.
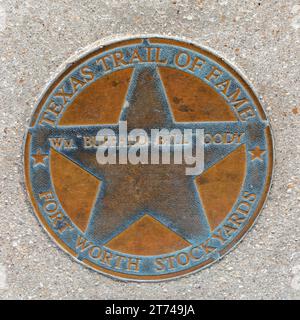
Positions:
{"x": 148, "y": 158}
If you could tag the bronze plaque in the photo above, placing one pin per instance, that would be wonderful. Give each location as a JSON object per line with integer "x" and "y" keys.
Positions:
{"x": 148, "y": 158}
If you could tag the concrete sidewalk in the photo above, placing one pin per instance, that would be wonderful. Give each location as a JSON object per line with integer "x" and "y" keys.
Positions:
{"x": 260, "y": 37}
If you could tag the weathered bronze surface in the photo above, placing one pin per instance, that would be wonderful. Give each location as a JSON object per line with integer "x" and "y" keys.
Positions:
{"x": 148, "y": 221}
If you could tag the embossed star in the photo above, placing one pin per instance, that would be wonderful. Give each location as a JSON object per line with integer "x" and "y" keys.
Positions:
{"x": 130, "y": 191}
{"x": 257, "y": 153}
{"x": 39, "y": 158}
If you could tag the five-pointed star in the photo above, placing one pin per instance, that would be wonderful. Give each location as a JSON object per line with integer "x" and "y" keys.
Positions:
{"x": 39, "y": 158}
{"x": 256, "y": 153}
{"x": 129, "y": 191}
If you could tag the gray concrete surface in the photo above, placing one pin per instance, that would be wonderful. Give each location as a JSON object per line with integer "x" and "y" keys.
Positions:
{"x": 260, "y": 37}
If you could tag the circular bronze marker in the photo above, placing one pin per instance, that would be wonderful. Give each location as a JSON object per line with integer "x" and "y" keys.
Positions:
{"x": 117, "y": 207}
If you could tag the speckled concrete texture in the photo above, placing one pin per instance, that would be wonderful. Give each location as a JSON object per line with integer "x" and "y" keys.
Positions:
{"x": 260, "y": 37}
